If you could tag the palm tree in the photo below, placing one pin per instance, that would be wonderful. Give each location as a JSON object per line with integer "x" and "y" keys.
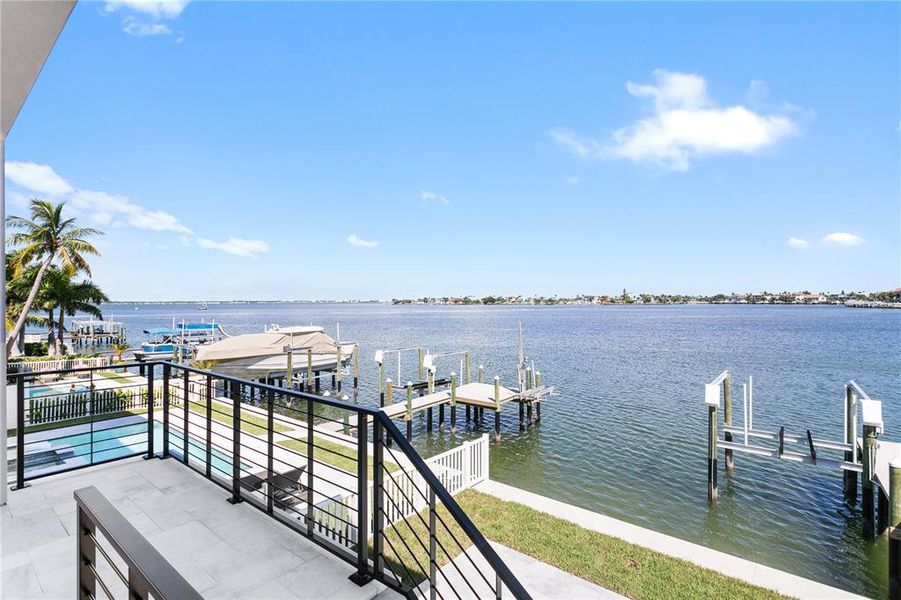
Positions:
{"x": 118, "y": 350}
{"x": 43, "y": 238}
{"x": 61, "y": 292}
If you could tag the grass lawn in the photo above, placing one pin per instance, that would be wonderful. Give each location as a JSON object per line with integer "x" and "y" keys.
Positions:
{"x": 331, "y": 453}
{"x": 609, "y": 562}
{"x": 223, "y": 413}
{"x": 123, "y": 378}
{"x": 334, "y": 454}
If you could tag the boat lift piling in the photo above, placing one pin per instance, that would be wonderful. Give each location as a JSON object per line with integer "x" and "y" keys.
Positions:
{"x": 877, "y": 460}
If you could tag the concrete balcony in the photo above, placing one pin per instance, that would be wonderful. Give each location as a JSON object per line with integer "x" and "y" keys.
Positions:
{"x": 222, "y": 550}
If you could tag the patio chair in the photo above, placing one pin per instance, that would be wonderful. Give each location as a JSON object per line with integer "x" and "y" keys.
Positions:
{"x": 287, "y": 489}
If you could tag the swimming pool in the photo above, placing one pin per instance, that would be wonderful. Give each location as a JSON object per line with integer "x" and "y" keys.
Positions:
{"x": 44, "y": 456}
{"x": 54, "y": 391}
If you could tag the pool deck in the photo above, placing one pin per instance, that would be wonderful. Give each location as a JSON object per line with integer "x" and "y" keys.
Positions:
{"x": 223, "y": 550}
{"x": 726, "y": 564}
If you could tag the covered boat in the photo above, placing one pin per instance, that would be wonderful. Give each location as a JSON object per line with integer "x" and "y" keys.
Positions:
{"x": 259, "y": 355}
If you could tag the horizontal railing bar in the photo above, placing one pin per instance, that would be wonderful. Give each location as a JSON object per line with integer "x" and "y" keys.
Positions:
{"x": 162, "y": 579}
{"x": 109, "y": 559}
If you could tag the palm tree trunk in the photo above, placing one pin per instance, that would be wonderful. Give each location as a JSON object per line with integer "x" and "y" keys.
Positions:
{"x": 59, "y": 334}
{"x": 26, "y": 308}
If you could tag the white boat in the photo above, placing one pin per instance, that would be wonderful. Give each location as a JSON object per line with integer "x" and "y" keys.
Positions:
{"x": 261, "y": 355}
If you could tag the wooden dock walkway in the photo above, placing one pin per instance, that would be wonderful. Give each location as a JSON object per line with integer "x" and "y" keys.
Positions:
{"x": 399, "y": 409}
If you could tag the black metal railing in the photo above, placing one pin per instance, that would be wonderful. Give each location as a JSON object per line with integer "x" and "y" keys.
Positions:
{"x": 135, "y": 570}
{"x": 341, "y": 474}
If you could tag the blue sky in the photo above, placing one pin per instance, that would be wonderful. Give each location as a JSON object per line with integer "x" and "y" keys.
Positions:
{"x": 329, "y": 151}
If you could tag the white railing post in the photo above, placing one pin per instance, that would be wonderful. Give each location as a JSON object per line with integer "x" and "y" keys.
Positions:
{"x": 485, "y": 447}
{"x": 467, "y": 465}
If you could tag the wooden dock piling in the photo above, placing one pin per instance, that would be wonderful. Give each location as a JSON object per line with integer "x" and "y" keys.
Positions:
{"x": 381, "y": 384}
{"x": 409, "y": 416}
{"x": 727, "y": 419}
{"x": 497, "y": 408}
{"x": 356, "y": 369}
{"x": 481, "y": 374}
{"x": 388, "y": 385}
{"x": 869, "y": 462}
{"x": 894, "y": 530}
{"x": 453, "y": 402}
{"x": 850, "y": 477}
{"x": 712, "y": 400}
{"x": 337, "y": 374}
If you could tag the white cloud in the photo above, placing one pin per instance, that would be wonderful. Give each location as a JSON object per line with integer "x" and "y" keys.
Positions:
{"x": 154, "y": 10}
{"x": 432, "y": 198}
{"x": 581, "y": 147}
{"x": 573, "y": 180}
{"x": 40, "y": 179}
{"x": 842, "y": 238}
{"x": 236, "y": 246}
{"x": 138, "y": 29}
{"x": 359, "y": 242}
{"x": 112, "y": 209}
{"x": 798, "y": 243}
{"x": 685, "y": 124}
{"x": 158, "y": 9}
{"x": 758, "y": 91}
{"x": 101, "y": 208}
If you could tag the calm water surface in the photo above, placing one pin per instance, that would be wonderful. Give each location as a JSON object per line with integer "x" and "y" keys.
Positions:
{"x": 626, "y": 437}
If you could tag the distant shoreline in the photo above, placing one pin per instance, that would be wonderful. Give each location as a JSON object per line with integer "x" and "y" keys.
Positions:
{"x": 852, "y": 304}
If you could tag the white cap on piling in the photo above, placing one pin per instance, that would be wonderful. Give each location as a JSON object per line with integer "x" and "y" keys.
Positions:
{"x": 388, "y": 380}
{"x": 409, "y": 383}
{"x": 345, "y": 397}
{"x": 497, "y": 377}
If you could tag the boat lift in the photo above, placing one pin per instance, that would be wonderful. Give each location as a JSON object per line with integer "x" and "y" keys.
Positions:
{"x": 859, "y": 455}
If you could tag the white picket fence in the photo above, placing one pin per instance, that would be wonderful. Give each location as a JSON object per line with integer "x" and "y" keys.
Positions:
{"x": 405, "y": 491}
{"x": 38, "y": 366}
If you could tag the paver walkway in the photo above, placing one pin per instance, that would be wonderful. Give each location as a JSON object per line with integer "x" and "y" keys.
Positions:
{"x": 223, "y": 550}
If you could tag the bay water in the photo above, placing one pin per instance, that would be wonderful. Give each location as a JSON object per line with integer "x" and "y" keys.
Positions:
{"x": 627, "y": 434}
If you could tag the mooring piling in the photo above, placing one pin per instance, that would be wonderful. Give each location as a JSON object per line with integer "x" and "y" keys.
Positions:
{"x": 727, "y": 419}
{"x": 497, "y": 408}
{"x": 453, "y": 402}
{"x": 388, "y": 385}
{"x": 381, "y": 384}
{"x": 894, "y": 531}
{"x": 409, "y": 416}
{"x": 289, "y": 367}
{"x": 850, "y": 477}
{"x": 712, "y": 400}
{"x": 869, "y": 462}
{"x": 481, "y": 374}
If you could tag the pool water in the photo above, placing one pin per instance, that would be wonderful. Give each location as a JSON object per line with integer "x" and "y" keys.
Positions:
{"x": 54, "y": 391}
{"x": 100, "y": 445}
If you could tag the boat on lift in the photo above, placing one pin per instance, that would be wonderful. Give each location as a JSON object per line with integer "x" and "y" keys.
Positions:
{"x": 179, "y": 340}
{"x": 262, "y": 355}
